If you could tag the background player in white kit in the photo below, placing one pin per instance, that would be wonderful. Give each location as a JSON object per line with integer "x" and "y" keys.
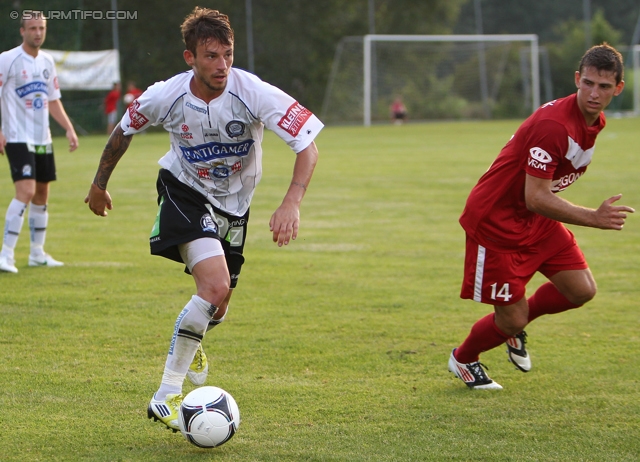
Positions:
{"x": 215, "y": 115}
{"x": 29, "y": 92}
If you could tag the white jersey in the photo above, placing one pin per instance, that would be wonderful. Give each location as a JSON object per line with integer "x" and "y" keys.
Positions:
{"x": 216, "y": 147}
{"x": 27, "y": 84}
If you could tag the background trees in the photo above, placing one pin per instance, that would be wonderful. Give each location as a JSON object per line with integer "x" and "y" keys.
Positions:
{"x": 295, "y": 40}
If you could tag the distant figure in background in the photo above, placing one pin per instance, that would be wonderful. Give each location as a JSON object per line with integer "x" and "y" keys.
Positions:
{"x": 30, "y": 92}
{"x": 132, "y": 93}
{"x": 111, "y": 107}
{"x": 398, "y": 111}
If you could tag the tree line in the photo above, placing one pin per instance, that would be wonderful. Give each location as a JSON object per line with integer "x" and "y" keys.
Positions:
{"x": 294, "y": 41}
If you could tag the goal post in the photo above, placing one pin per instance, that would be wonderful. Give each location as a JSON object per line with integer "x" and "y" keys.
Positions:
{"x": 439, "y": 77}
{"x": 636, "y": 79}
{"x": 480, "y": 40}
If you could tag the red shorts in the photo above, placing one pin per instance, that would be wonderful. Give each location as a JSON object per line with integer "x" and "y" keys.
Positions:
{"x": 500, "y": 278}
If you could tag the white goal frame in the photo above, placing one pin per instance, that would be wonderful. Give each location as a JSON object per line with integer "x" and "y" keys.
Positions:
{"x": 636, "y": 79}
{"x": 480, "y": 38}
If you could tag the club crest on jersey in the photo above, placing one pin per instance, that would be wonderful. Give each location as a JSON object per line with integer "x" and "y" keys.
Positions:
{"x": 208, "y": 225}
{"x": 539, "y": 158}
{"x": 235, "y": 128}
{"x": 45, "y": 74}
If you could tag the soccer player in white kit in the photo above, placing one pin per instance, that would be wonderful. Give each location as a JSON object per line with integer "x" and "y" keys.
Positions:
{"x": 29, "y": 92}
{"x": 215, "y": 115}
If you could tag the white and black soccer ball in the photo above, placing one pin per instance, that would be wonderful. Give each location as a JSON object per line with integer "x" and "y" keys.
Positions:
{"x": 208, "y": 417}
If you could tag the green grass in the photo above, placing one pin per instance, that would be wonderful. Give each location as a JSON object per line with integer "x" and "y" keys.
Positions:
{"x": 336, "y": 346}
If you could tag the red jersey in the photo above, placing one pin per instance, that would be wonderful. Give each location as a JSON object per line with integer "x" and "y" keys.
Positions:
{"x": 111, "y": 101}
{"x": 553, "y": 143}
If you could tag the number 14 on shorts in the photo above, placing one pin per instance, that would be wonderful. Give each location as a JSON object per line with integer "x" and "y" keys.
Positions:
{"x": 500, "y": 293}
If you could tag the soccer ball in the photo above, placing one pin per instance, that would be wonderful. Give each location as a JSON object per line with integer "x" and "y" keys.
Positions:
{"x": 208, "y": 417}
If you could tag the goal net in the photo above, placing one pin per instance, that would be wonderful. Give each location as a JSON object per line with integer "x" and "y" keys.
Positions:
{"x": 437, "y": 77}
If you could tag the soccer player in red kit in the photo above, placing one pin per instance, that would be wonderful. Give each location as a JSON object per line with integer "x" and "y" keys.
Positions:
{"x": 513, "y": 220}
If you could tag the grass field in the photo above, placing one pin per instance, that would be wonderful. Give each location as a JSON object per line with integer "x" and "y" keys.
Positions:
{"x": 335, "y": 347}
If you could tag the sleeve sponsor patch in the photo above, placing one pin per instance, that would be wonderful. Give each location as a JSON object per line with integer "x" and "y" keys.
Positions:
{"x": 138, "y": 120}
{"x": 539, "y": 158}
{"x": 294, "y": 119}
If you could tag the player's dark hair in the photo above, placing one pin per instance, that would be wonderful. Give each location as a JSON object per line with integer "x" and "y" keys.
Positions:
{"x": 204, "y": 25}
{"x": 604, "y": 58}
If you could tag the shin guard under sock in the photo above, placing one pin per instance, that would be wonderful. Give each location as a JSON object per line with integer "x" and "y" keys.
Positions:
{"x": 38, "y": 219}
{"x": 190, "y": 327}
{"x": 14, "y": 219}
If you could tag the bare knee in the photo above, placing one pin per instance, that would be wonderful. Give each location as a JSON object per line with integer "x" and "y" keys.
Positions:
{"x": 583, "y": 294}
{"x": 212, "y": 279}
{"x": 511, "y": 325}
{"x": 577, "y": 286}
{"x": 512, "y": 319}
{"x": 25, "y": 190}
{"x": 215, "y": 293}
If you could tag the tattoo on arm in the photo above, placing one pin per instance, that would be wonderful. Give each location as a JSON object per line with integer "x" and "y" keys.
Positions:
{"x": 116, "y": 147}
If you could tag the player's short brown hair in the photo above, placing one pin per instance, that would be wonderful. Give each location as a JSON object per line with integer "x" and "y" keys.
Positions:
{"x": 203, "y": 25}
{"x": 604, "y": 58}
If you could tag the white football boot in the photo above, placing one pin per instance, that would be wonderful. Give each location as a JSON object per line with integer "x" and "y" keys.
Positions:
{"x": 518, "y": 353}
{"x": 472, "y": 374}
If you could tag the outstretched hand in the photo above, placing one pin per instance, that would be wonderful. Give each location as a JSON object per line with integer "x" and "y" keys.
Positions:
{"x": 98, "y": 200}
{"x": 611, "y": 216}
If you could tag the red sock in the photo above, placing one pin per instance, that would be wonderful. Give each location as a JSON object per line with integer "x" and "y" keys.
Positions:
{"x": 484, "y": 336}
{"x": 548, "y": 300}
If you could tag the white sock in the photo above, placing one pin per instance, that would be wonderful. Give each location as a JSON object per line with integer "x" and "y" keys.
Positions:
{"x": 38, "y": 218}
{"x": 12, "y": 226}
{"x": 190, "y": 328}
{"x": 214, "y": 322}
